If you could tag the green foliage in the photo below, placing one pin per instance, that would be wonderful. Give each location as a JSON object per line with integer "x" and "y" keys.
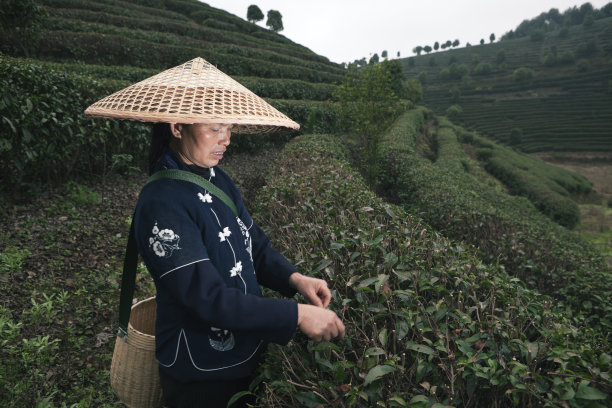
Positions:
{"x": 413, "y": 90}
{"x": 118, "y": 50}
{"x": 505, "y": 228}
{"x": 45, "y": 138}
{"x": 254, "y": 14}
{"x": 275, "y": 20}
{"x": 367, "y": 104}
{"x": 583, "y": 66}
{"x": 537, "y": 35}
{"x": 516, "y": 137}
{"x": 548, "y": 188}
{"x": 483, "y": 68}
{"x": 500, "y": 57}
{"x": 523, "y": 74}
{"x": 454, "y": 93}
{"x": 429, "y": 323}
{"x": 454, "y": 71}
{"x": 566, "y": 57}
{"x": 396, "y": 77}
{"x": 60, "y": 287}
{"x": 454, "y": 110}
{"x": 20, "y": 24}
{"x": 11, "y": 259}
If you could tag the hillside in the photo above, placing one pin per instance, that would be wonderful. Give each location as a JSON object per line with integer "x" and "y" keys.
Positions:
{"x": 550, "y": 92}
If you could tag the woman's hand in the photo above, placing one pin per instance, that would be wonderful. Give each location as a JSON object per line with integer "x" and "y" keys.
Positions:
{"x": 314, "y": 290}
{"x": 318, "y": 323}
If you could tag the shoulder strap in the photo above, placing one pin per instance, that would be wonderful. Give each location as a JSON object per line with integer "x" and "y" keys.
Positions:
{"x": 194, "y": 178}
{"x": 128, "y": 282}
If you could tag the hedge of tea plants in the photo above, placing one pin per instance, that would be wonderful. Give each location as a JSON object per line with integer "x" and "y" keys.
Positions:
{"x": 429, "y": 323}
{"x": 507, "y": 229}
{"x": 550, "y": 189}
{"x": 45, "y": 137}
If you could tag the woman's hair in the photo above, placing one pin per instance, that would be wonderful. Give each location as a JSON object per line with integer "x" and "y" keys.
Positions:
{"x": 160, "y": 138}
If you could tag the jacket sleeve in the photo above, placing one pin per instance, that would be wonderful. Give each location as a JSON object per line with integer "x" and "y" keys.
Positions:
{"x": 273, "y": 269}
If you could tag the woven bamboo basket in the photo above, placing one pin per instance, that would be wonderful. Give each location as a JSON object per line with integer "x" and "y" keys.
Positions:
{"x": 134, "y": 372}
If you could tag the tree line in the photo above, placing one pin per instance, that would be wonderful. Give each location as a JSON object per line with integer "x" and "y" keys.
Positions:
{"x": 554, "y": 20}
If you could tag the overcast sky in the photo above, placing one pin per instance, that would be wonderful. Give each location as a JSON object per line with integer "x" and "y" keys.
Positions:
{"x": 346, "y": 30}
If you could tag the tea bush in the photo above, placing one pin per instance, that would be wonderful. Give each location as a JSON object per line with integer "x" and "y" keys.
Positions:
{"x": 549, "y": 188}
{"x": 277, "y": 88}
{"x": 44, "y": 135}
{"x": 428, "y": 322}
{"x": 119, "y": 50}
{"x": 504, "y": 228}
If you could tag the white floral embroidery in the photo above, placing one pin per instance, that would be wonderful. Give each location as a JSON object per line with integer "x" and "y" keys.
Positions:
{"x": 247, "y": 238}
{"x": 236, "y": 269}
{"x": 226, "y": 233}
{"x": 158, "y": 248}
{"x": 166, "y": 235}
{"x": 212, "y": 172}
{"x": 163, "y": 242}
{"x": 205, "y": 198}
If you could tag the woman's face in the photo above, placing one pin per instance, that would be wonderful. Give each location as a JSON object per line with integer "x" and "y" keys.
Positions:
{"x": 201, "y": 143}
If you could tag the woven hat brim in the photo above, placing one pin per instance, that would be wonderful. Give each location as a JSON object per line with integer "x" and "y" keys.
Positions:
{"x": 194, "y": 92}
{"x": 245, "y": 125}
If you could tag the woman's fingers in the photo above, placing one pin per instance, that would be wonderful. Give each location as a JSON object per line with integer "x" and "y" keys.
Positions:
{"x": 318, "y": 323}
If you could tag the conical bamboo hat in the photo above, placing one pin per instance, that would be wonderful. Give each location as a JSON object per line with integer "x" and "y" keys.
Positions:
{"x": 194, "y": 92}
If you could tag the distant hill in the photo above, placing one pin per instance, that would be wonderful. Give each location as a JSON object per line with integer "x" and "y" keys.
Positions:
{"x": 550, "y": 91}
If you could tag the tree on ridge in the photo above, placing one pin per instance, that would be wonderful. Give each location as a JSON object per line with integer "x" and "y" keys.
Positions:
{"x": 275, "y": 21}
{"x": 254, "y": 14}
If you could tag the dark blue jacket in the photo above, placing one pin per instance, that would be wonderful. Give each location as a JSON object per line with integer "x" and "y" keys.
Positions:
{"x": 207, "y": 264}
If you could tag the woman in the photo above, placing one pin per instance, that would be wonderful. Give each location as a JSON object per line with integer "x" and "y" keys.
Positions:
{"x": 207, "y": 262}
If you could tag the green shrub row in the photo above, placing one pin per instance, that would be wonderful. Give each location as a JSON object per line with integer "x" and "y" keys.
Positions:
{"x": 213, "y": 40}
{"x": 549, "y": 195}
{"x": 428, "y": 323}
{"x": 113, "y": 50}
{"x": 46, "y": 138}
{"x": 549, "y": 188}
{"x": 80, "y": 19}
{"x": 277, "y": 88}
{"x": 505, "y": 228}
{"x": 123, "y": 8}
{"x": 313, "y": 116}
{"x": 574, "y": 117}
{"x": 44, "y": 135}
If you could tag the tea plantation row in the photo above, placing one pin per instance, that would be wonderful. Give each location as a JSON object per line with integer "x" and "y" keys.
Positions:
{"x": 45, "y": 137}
{"x": 428, "y": 321}
{"x": 560, "y": 101}
{"x": 505, "y": 229}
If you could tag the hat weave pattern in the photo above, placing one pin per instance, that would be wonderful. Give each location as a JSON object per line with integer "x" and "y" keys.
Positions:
{"x": 194, "y": 92}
